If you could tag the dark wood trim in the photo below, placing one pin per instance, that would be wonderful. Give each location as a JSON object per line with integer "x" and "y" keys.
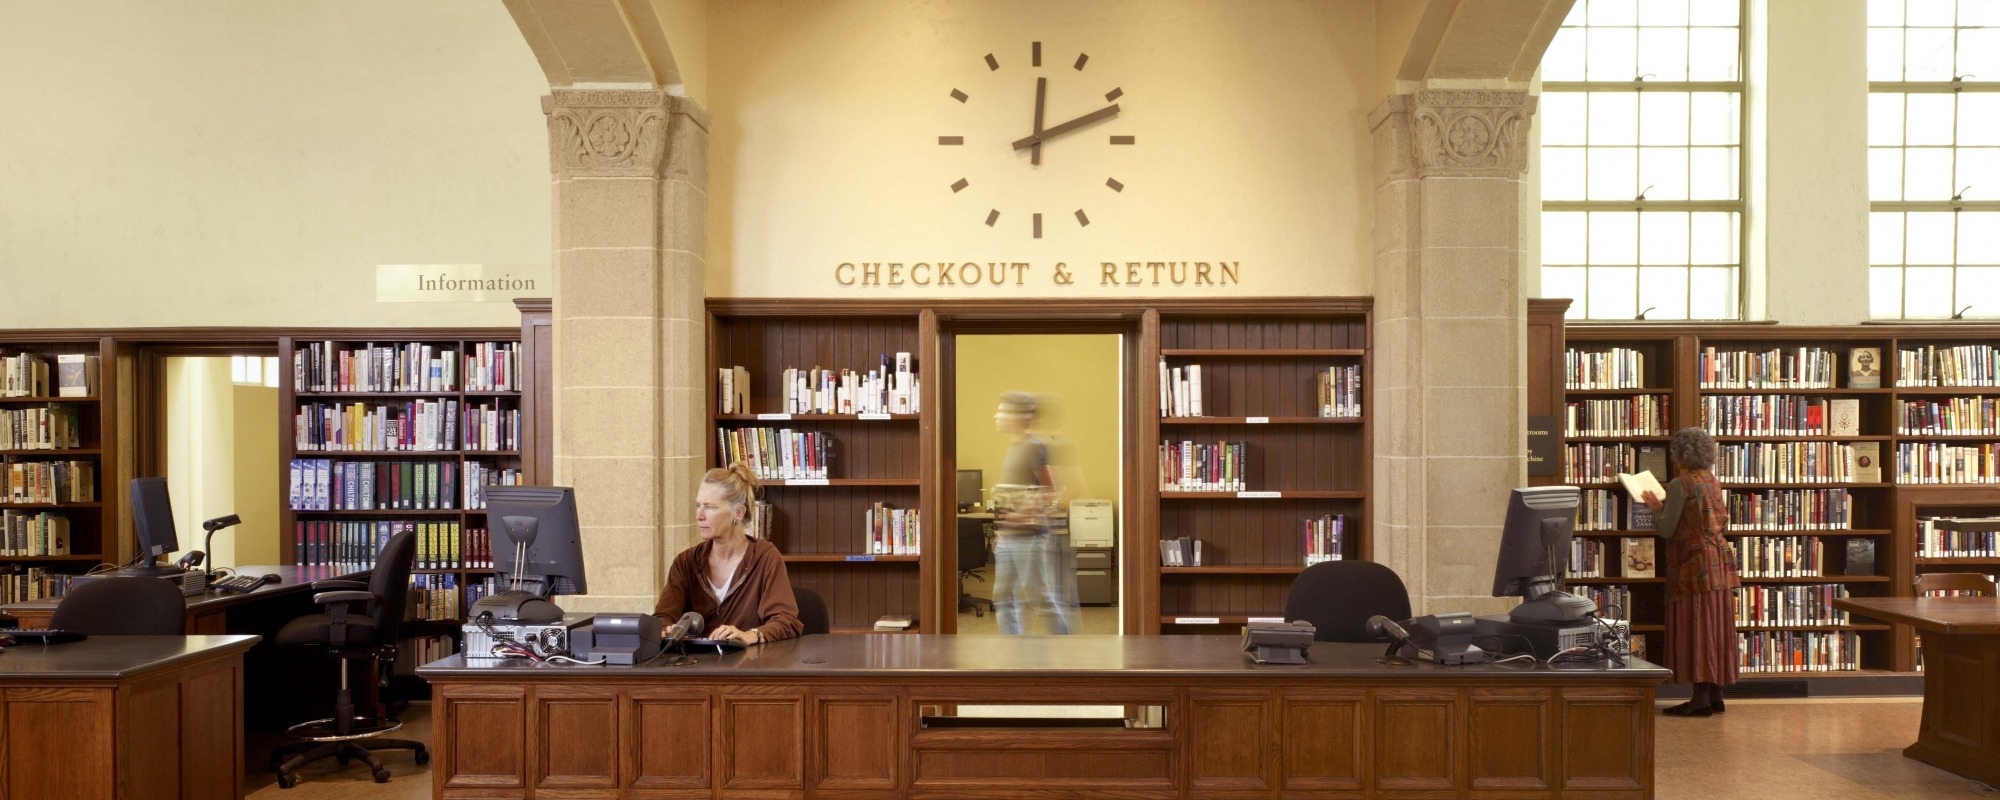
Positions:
{"x": 538, "y": 448}
{"x": 1018, "y": 309}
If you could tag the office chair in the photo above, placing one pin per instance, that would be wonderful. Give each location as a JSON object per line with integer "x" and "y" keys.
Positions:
{"x": 971, "y": 558}
{"x": 1338, "y": 597}
{"x": 812, "y": 611}
{"x": 123, "y": 607}
{"x": 1927, "y": 582}
{"x": 351, "y": 636}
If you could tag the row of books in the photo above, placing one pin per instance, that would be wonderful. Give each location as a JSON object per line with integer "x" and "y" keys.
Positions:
{"x": 893, "y": 387}
{"x": 319, "y": 484}
{"x": 1610, "y": 510}
{"x": 1789, "y": 509}
{"x": 27, "y": 375}
{"x": 413, "y": 426}
{"x": 479, "y": 475}
{"x": 33, "y": 583}
{"x": 1192, "y": 467}
{"x": 1957, "y": 416}
{"x": 1325, "y": 537}
{"x": 1780, "y": 415}
{"x": 48, "y": 482}
{"x": 1776, "y": 368}
{"x": 1601, "y": 463}
{"x": 1780, "y": 556}
{"x": 1641, "y": 415}
{"x": 1616, "y": 368}
{"x": 1799, "y": 462}
{"x": 1184, "y": 551}
{"x": 1614, "y": 601}
{"x": 406, "y": 367}
{"x": 893, "y": 531}
{"x": 1180, "y": 390}
{"x": 33, "y": 533}
{"x": 355, "y": 544}
{"x": 1586, "y": 557}
{"x": 433, "y": 596}
{"x": 1932, "y": 462}
{"x": 778, "y": 453}
{"x": 1963, "y": 365}
{"x": 1797, "y": 651}
{"x": 426, "y": 649}
{"x": 1339, "y": 391}
{"x": 1934, "y": 542}
{"x": 1776, "y": 606}
{"x": 58, "y": 426}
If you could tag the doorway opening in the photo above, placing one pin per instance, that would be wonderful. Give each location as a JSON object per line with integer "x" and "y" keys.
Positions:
{"x": 218, "y": 449}
{"x": 1037, "y": 442}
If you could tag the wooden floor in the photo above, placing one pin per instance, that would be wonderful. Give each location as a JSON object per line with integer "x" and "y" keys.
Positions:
{"x": 1775, "y": 749}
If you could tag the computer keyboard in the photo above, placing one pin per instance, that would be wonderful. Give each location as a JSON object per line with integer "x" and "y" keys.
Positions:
{"x": 242, "y": 583}
{"x": 40, "y": 635}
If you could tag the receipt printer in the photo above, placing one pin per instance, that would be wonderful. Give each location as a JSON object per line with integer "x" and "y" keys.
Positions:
{"x": 625, "y": 638}
{"x": 1278, "y": 642}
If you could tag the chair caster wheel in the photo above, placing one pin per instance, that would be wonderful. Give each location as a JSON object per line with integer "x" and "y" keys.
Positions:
{"x": 344, "y": 760}
{"x": 382, "y": 776}
{"x": 978, "y": 612}
{"x": 423, "y": 757}
{"x": 287, "y": 780}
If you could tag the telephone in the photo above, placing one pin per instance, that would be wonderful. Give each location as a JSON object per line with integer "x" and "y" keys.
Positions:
{"x": 190, "y": 560}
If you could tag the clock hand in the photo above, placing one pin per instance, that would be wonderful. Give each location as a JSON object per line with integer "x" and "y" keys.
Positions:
{"x": 1041, "y": 92}
{"x": 1038, "y": 137}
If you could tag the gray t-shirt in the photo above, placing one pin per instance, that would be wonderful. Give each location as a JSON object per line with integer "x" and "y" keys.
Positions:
{"x": 1025, "y": 464}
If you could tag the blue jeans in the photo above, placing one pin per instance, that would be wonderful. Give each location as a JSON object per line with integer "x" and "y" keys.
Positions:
{"x": 1028, "y": 577}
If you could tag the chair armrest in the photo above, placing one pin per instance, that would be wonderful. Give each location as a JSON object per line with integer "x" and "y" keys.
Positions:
{"x": 324, "y": 598}
{"x": 339, "y": 586}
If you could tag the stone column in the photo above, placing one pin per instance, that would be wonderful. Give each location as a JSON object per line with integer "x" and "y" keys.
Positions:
{"x": 631, "y": 212}
{"x": 1450, "y": 321}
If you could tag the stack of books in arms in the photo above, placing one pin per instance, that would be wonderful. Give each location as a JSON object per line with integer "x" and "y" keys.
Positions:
{"x": 48, "y": 482}
{"x": 893, "y": 531}
{"x": 1180, "y": 390}
{"x": 59, "y": 426}
{"x": 319, "y": 484}
{"x": 412, "y": 367}
{"x": 895, "y": 623}
{"x": 23, "y": 375}
{"x": 1191, "y": 467}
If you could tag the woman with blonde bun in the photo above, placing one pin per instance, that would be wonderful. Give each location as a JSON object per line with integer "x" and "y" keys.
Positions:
{"x": 735, "y": 582}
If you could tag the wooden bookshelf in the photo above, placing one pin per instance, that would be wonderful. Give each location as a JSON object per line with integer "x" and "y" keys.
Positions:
{"x": 94, "y": 523}
{"x": 820, "y": 523}
{"x": 1883, "y": 512}
{"x": 484, "y": 425}
{"x": 1299, "y": 461}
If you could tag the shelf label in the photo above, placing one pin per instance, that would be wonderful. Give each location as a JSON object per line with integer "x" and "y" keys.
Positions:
{"x": 807, "y": 482}
{"x": 1259, "y": 495}
{"x": 1197, "y": 620}
{"x": 872, "y": 416}
{"x": 774, "y": 416}
{"x": 1257, "y": 420}
{"x": 861, "y": 558}
{"x": 1279, "y": 620}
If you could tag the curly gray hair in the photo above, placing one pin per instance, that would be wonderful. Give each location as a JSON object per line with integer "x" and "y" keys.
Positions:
{"x": 1693, "y": 448}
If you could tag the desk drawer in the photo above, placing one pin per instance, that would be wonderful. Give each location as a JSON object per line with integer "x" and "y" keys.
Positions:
{"x": 1093, "y": 559}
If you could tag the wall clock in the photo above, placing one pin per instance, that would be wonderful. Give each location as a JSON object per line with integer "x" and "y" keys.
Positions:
{"x": 1064, "y": 109}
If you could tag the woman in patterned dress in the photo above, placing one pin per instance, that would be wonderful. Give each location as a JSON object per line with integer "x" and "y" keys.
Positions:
{"x": 1701, "y": 575}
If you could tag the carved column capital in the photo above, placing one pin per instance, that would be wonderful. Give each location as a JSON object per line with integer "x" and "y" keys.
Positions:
{"x": 611, "y": 133}
{"x": 1472, "y": 133}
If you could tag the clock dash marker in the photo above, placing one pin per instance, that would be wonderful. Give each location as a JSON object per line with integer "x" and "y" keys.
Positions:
{"x": 960, "y": 185}
{"x": 1038, "y": 225}
{"x": 1080, "y": 59}
{"x": 1124, "y": 140}
{"x": 991, "y": 62}
{"x": 1037, "y": 54}
{"x": 1081, "y": 219}
{"x": 992, "y": 216}
{"x": 1114, "y": 184}
{"x": 1114, "y": 94}
{"x": 951, "y": 140}
{"x": 958, "y": 95}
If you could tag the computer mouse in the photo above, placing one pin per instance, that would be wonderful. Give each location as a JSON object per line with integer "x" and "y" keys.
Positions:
{"x": 272, "y": 577}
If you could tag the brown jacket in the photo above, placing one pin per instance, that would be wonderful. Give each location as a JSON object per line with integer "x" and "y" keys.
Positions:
{"x": 760, "y": 594}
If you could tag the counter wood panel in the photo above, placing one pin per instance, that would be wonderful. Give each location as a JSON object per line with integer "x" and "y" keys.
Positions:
{"x": 874, "y": 717}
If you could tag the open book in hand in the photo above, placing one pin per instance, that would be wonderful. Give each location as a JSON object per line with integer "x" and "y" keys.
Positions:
{"x": 1640, "y": 483}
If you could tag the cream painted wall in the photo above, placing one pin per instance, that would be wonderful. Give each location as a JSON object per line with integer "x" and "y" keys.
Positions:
{"x": 254, "y": 425}
{"x": 222, "y": 454}
{"x": 686, "y": 22}
{"x": 1250, "y": 117}
{"x": 238, "y": 162}
{"x": 1081, "y": 371}
{"x": 1812, "y": 193}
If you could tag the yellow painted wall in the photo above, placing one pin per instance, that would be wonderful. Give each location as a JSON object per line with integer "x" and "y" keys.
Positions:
{"x": 1081, "y": 371}
{"x": 241, "y": 162}
{"x": 222, "y": 455}
{"x": 1250, "y": 119}
{"x": 257, "y": 478}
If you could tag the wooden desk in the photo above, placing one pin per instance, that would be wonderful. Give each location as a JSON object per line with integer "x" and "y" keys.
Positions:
{"x": 870, "y": 716}
{"x": 1961, "y": 724}
{"x": 211, "y": 612}
{"x": 124, "y": 717}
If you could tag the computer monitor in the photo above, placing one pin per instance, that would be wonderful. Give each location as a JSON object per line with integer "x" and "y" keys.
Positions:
{"x": 153, "y": 518}
{"x": 1534, "y": 554}
{"x": 970, "y": 483}
{"x": 537, "y": 553}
